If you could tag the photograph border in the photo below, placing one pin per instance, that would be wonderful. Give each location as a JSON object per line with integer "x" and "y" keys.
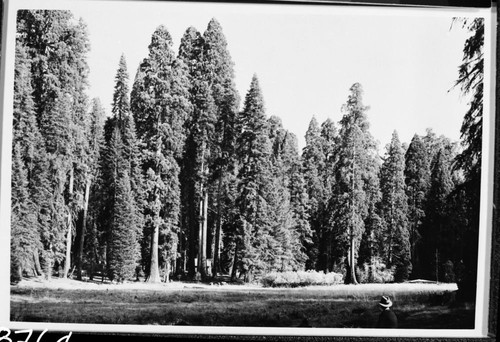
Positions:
{"x": 492, "y": 176}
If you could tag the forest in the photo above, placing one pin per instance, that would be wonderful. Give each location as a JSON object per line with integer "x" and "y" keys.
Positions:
{"x": 185, "y": 180}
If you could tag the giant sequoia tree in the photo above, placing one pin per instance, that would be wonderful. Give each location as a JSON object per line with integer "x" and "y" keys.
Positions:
{"x": 312, "y": 161}
{"x": 201, "y": 145}
{"x": 394, "y": 209}
{"x": 356, "y": 156}
{"x": 219, "y": 73}
{"x": 417, "y": 180}
{"x": 160, "y": 105}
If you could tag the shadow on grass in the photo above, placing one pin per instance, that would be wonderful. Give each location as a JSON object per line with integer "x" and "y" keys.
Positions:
{"x": 206, "y": 307}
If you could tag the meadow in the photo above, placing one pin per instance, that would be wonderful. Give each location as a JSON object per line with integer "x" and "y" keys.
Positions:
{"x": 418, "y": 306}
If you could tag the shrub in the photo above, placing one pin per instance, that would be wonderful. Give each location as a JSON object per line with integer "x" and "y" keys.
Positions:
{"x": 376, "y": 272}
{"x": 300, "y": 278}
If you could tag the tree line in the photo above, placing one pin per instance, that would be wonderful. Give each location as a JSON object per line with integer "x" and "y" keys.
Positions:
{"x": 179, "y": 180}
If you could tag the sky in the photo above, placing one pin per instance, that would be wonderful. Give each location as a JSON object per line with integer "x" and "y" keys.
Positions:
{"x": 306, "y": 58}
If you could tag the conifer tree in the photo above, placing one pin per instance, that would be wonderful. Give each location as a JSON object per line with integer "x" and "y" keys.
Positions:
{"x": 437, "y": 216}
{"x": 24, "y": 235}
{"x": 254, "y": 152}
{"x": 124, "y": 154}
{"x": 394, "y": 207}
{"x": 56, "y": 46}
{"x": 293, "y": 234}
{"x": 160, "y": 105}
{"x": 200, "y": 147}
{"x": 95, "y": 143}
{"x": 417, "y": 180}
{"x": 218, "y": 71}
{"x": 94, "y": 215}
{"x": 356, "y": 153}
{"x": 312, "y": 161}
{"x": 331, "y": 251}
{"x": 27, "y": 144}
{"x": 471, "y": 82}
{"x": 123, "y": 243}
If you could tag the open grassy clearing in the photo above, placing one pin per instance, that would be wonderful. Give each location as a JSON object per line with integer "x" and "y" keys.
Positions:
{"x": 426, "y": 306}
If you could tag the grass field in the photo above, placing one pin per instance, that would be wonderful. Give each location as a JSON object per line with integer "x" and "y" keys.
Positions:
{"x": 418, "y": 306}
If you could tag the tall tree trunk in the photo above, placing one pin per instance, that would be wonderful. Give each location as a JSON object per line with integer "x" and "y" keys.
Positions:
{"x": 154, "y": 268}
{"x": 352, "y": 263}
{"x": 200, "y": 235}
{"x": 48, "y": 264}
{"x": 202, "y": 224}
{"x": 36, "y": 259}
{"x": 204, "y": 235}
{"x": 218, "y": 229}
{"x": 352, "y": 266}
{"x": 235, "y": 262}
{"x": 67, "y": 262}
{"x": 79, "y": 261}
{"x": 154, "y": 271}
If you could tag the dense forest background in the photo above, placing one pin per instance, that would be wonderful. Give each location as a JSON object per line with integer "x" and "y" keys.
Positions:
{"x": 183, "y": 180}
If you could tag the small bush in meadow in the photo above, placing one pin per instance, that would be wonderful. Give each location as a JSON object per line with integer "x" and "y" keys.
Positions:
{"x": 377, "y": 272}
{"x": 300, "y": 278}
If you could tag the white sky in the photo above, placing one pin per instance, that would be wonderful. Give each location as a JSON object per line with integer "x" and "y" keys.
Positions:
{"x": 306, "y": 58}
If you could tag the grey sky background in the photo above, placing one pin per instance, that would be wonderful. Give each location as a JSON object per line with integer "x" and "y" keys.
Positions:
{"x": 306, "y": 58}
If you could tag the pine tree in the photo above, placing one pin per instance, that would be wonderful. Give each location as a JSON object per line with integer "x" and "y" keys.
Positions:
{"x": 160, "y": 105}
{"x": 417, "y": 180}
{"x": 394, "y": 208}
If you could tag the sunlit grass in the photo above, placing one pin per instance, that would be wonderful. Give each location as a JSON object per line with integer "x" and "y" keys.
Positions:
{"x": 417, "y": 305}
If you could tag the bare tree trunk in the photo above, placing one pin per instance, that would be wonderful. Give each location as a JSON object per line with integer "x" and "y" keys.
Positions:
{"x": 36, "y": 259}
{"x": 218, "y": 230}
{"x": 67, "y": 262}
{"x": 216, "y": 263}
{"x": 200, "y": 235}
{"x": 166, "y": 277}
{"x": 202, "y": 243}
{"x": 48, "y": 264}
{"x": 154, "y": 272}
{"x": 79, "y": 261}
{"x": 235, "y": 262}
{"x": 353, "y": 263}
{"x": 204, "y": 235}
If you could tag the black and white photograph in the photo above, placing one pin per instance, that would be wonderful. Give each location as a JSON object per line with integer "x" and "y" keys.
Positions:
{"x": 188, "y": 165}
